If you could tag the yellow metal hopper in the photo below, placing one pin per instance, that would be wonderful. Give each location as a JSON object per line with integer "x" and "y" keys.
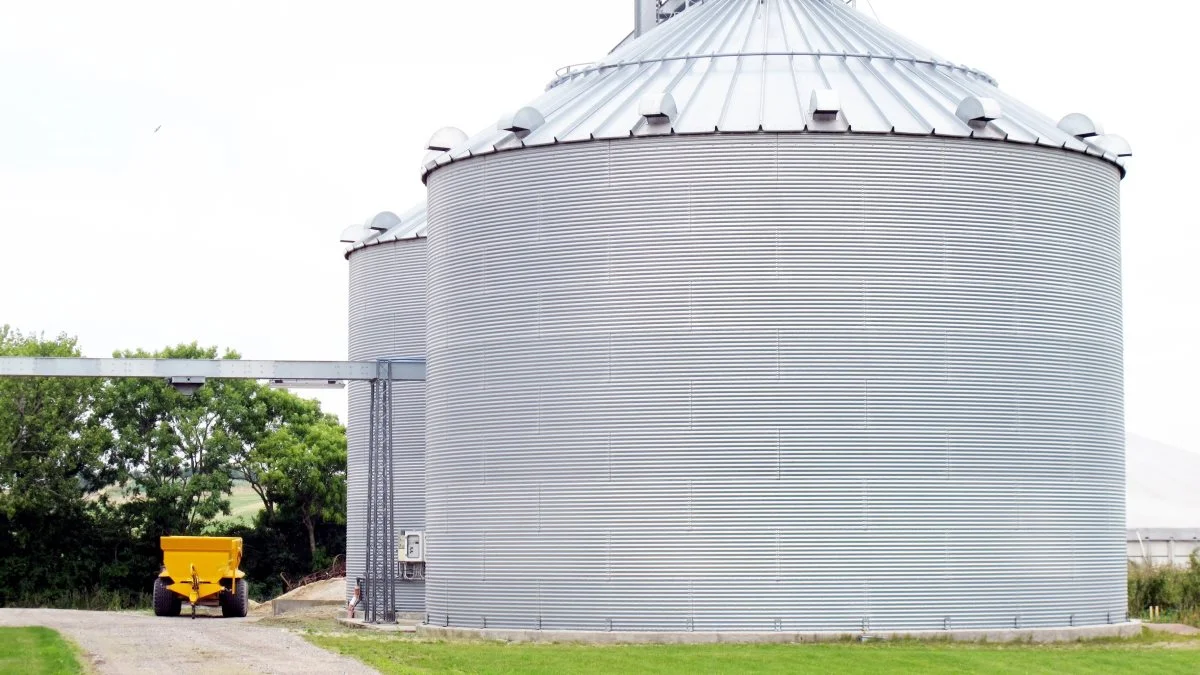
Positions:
{"x": 201, "y": 571}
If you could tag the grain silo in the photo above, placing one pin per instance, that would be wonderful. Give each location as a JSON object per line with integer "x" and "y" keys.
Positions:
{"x": 774, "y": 320}
{"x": 387, "y": 320}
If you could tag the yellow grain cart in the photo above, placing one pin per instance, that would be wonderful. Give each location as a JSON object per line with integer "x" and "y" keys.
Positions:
{"x": 202, "y": 571}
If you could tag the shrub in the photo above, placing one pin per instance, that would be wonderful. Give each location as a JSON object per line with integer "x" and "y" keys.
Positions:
{"x": 1174, "y": 590}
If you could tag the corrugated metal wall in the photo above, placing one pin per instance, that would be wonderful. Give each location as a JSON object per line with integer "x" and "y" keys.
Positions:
{"x": 387, "y": 318}
{"x": 775, "y": 382}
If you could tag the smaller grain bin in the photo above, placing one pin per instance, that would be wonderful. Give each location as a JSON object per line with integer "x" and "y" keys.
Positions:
{"x": 387, "y": 319}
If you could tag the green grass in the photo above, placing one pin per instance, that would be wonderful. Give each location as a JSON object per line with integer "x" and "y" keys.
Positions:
{"x": 36, "y": 651}
{"x": 390, "y": 654}
{"x": 244, "y": 503}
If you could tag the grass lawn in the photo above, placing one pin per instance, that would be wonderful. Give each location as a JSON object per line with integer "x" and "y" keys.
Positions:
{"x": 390, "y": 654}
{"x": 36, "y": 651}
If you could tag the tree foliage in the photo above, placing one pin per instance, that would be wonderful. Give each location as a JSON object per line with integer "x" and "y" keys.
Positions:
{"x": 54, "y": 454}
{"x": 306, "y": 472}
{"x": 173, "y": 454}
{"x": 251, "y": 416}
{"x": 53, "y": 449}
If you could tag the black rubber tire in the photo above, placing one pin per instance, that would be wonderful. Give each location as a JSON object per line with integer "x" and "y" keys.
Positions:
{"x": 166, "y": 603}
{"x": 236, "y": 603}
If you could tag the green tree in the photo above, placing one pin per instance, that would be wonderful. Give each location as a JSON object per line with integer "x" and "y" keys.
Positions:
{"x": 52, "y": 451}
{"x": 306, "y": 472}
{"x": 53, "y": 458}
{"x": 250, "y": 414}
{"x": 172, "y": 452}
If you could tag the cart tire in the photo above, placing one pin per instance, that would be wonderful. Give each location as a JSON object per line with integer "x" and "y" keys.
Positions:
{"x": 166, "y": 603}
{"x": 237, "y": 602}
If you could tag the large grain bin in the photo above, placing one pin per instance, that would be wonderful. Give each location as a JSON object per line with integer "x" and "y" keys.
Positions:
{"x": 387, "y": 319}
{"x": 774, "y": 321}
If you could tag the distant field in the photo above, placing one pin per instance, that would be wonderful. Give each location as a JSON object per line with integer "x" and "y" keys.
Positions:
{"x": 244, "y": 504}
{"x": 1147, "y": 654}
{"x": 36, "y": 651}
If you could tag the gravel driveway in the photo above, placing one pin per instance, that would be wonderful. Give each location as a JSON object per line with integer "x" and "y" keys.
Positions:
{"x": 120, "y": 642}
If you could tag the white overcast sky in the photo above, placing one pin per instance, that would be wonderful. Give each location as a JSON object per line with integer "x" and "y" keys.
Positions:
{"x": 282, "y": 122}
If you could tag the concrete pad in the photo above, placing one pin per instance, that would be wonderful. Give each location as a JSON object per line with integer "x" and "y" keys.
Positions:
{"x": 1039, "y": 635}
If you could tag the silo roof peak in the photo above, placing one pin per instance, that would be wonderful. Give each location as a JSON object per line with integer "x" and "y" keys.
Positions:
{"x": 413, "y": 224}
{"x": 740, "y": 66}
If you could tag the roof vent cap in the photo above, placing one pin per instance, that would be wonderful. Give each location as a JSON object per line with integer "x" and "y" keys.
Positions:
{"x": 1113, "y": 143}
{"x": 825, "y": 103}
{"x": 1080, "y": 126}
{"x": 355, "y": 234}
{"x": 382, "y": 222}
{"x": 521, "y": 123}
{"x": 978, "y": 110}
{"x": 446, "y": 138}
{"x": 658, "y": 108}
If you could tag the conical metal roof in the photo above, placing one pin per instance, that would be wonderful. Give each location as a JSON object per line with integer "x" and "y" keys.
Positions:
{"x": 777, "y": 66}
{"x": 387, "y": 227}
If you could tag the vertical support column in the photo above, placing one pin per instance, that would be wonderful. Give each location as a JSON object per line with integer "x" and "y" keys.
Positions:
{"x": 381, "y": 554}
{"x": 370, "y": 603}
{"x": 391, "y": 576}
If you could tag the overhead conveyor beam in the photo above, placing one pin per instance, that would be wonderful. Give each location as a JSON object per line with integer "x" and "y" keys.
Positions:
{"x": 216, "y": 369}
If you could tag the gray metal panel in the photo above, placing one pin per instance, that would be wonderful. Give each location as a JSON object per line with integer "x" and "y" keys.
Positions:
{"x": 1163, "y": 546}
{"x": 387, "y": 319}
{"x": 752, "y": 65}
{"x": 749, "y": 382}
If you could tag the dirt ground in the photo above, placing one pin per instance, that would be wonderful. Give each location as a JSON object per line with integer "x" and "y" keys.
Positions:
{"x": 126, "y": 642}
{"x": 330, "y": 589}
{"x": 1174, "y": 628}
